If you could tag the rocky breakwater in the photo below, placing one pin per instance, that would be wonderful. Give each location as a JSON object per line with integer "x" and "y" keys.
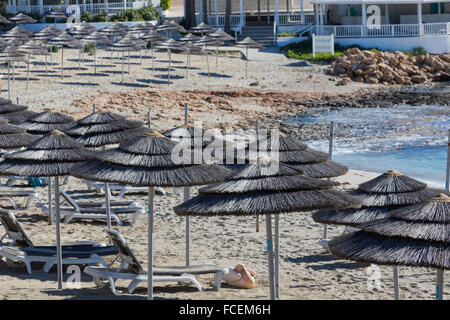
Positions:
{"x": 390, "y": 67}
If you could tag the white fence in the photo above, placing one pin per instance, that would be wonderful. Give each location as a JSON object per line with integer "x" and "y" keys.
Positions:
{"x": 285, "y": 19}
{"x": 392, "y": 30}
{"x": 95, "y": 8}
{"x": 219, "y": 20}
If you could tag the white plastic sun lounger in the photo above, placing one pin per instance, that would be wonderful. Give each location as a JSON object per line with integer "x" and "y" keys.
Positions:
{"x": 131, "y": 269}
{"x": 99, "y": 186}
{"x": 21, "y": 248}
{"x": 97, "y": 210}
{"x": 28, "y": 195}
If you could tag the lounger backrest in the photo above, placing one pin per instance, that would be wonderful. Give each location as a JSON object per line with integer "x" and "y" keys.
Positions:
{"x": 69, "y": 200}
{"x": 125, "y": 252}
{"x": 13, "y": 229}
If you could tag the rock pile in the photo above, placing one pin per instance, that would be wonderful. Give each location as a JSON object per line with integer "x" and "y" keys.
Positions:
{"x": 390, "y": 67}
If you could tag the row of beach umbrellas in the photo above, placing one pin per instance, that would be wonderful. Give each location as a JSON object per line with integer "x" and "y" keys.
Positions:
{"x": 18, "y": 45}
{"x": 414, "y": 235}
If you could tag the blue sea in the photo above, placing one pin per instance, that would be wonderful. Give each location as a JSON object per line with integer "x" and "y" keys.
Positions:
{"x": 410, "y": 139}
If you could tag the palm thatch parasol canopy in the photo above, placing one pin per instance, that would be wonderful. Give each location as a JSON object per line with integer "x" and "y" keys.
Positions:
{"x": 12, "y": 136}
{"x": 221, "y": 35}
{"x": 260, "y": 188}
{"x": 55, "y": 14}
{"x": 123, "y": 45}
{"x": 394, "y": 190}
{"x": 152, "y": 36}
{"x": 47, "y": 121}
{"x": 115, "y": 30}
{"x": 81, "y": 30}
{"x": 33, "y": 48}
{"x": 202, "y": 28}
{"x": 208, "y": 41}
{"x": 4, "y": 20}
{"x": 46, "y": 33}
{"x": 170, "y": 44}
{"x": 52, "y": 155}
{"x": 96, "y": 37}
{"x": 417, "y": 235}
{"x": 63, "y": 39}
{"x": 147, "y": 161}
{"x": 249, "y": 43}
{"x": 312, "y": 163}
{"x": 15, "y": 113}
{"x": 142, "y": 27}
{"x": 188, "y": 38}
{"x": 17, "y": 33}
{"x": 22, "y": 18}
{"x": 5, "y": 101}
{"x": 170, "y": 26}
{"x": 105, "y": 128}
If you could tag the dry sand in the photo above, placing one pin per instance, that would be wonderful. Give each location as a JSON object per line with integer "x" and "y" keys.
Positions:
{"x": 307, "y": 272}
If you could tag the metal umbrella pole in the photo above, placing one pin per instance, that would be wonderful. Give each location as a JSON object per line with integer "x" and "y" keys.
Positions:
{"x": 50, "y": 201}
{"x": 170, "y": 65}
{"x": 62, "y": 61}
{"x": 28, "y": 75}
{"x": 396, "y": 285}
{"x": 246, "y": 62}
{"x": 122, "y": 67}
{"x": 9, "y": 81}
{"x": 186, "y": 197}
{"x": 440, "y": 285}
{"x": 58, "y": 235}
{"x": 330, "y": 156}
{"x": 277, "y": 256}
{"x": 153, "y": 57}
{"x": 151, "y": 196}
{"x": 217, "y": 57}
{"x": 270, "y": 255}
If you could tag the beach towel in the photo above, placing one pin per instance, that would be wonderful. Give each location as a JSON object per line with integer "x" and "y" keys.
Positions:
{"x": 35, "y": 182}
{"x": 240, "y": 277}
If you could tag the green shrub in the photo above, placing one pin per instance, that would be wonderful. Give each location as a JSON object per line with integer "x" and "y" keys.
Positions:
{"x": 165, "y": 4}
{"x": 419, "y": 51}
{"x": 87, "y": 16}
{"x": 90, "y": 48}
{"x": 149, "y": 13}
{"x": 101, "y": 17}
{"x": 53, "y": 49}
{"x": 287, "y": 34}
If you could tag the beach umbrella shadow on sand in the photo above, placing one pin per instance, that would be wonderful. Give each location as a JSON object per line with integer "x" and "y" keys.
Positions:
{"x": 50, "y": 156}
{"x": 147, "y": 162}
{"x": 265, "y": 188}
{"x": 414, "y": 236}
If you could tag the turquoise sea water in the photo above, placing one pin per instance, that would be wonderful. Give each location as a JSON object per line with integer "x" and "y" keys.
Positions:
{"x": 410, "y": 139}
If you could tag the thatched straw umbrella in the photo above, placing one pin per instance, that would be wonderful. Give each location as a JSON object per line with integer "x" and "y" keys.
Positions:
{"x": 22, "y": 18}
{"x": 4, "y": 20}
{"x": 96, "y": 38}
{"x": 47, "y": 121}
{"x": 202, "y": 28}
{"x": 153, "y": 36}
{"x": 44, "y": 35}
{"x": 190, "y": 48}
{"x": 416, "y": 236}
{"x": 80, "y": 31}
{"x": 141, "y": 28}
{"x": 63, "y": 39}
{"x": 50, "y": 156}
{"x": 205, "y": 41}
{"x": 100, "y": 129}
{"x": 31, "y": 47}
{"x": 170, "y": 45}
{"x": 10, "y": 54}
{"x": 222, "y": 36}
{"x": 248, "y": 43}
{"x": 147, "y": 162}
{"x": 13, "y": 137}
{"x": 115, "y": 30}
{"x": 265, "y": 188}
{"x": 17, "y": 33}
{"x": 380, "y": 196}
{"x": 170, "y": 26}
{"x": 134, "y": 38}
{"x": 15, "y": 113}
{"x": 55, "y": 14}
{"x": 124, "y": 45}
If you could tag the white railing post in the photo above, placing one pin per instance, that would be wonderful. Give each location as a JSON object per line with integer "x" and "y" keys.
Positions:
{"x": 275, "y": 33}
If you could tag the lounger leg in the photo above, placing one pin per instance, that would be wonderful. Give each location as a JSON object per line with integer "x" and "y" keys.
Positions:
{"x": 113, "y": 286}
{"x": 133, "y": 285}
{"x": 48, "y": 265}
{"x": 98, "y": 282}
{"x": 135, "y": 218}
{"x": 28, "y": 265}
{"x": 193, "y": 280}
{"x": 218, "y": 280}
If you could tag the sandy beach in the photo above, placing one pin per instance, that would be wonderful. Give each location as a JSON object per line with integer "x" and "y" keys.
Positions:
{"x": 307, "y": 271}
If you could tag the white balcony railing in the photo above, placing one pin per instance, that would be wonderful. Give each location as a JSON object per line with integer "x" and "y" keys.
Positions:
{"x": 95, "y": 8}
{"x": 285, "y": 19}
{"x": 391, "y": 30}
